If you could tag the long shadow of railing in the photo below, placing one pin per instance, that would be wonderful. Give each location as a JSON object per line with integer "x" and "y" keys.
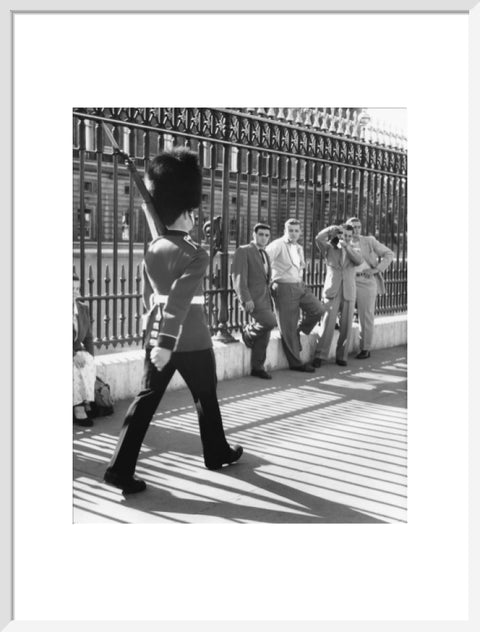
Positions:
{"x": 330, "y": 448}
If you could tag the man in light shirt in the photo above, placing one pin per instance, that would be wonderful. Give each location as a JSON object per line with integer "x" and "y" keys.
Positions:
{"x": 290, "y": 294}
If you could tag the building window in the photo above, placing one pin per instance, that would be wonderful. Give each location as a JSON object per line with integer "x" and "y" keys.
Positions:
{"x": 87, "y": 225}
{"x": 126, "y": 189}
{"x": 207, "y": 155}
{"x": 168, "y": 142}
{"x": 234, "y": 159}
{"x": 89, "y": 136}
{"x": 89, "y": 186}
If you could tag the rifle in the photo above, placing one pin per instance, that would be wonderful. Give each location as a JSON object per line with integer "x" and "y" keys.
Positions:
{"x": 216, "y": 240}
{"x": 155, "y": 225}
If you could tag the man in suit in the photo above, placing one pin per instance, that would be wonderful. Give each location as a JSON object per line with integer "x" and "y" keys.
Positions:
{"x": 177, "y": 337}
{"x": 369, "y": 281}
{"x": 335, "y": 244}
{"x": 251, "y": 274}
{"x": 290, "y": 294}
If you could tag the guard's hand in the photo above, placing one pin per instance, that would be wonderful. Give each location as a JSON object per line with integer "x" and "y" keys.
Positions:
{"x": 160, "y": 357}
{"x": 249, "y": 306}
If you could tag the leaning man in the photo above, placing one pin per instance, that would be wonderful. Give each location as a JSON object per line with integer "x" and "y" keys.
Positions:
{"x": 251, "y": 274}
{"x": 369, "y": 281}
{"x": 290, "y": 294}
{"x": 177, "y": 337}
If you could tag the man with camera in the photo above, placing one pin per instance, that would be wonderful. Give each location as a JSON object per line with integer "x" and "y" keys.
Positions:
{"x": 339, "y": 290}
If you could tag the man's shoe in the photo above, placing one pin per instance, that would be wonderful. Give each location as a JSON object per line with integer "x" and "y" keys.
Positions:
{"x": 128, "y": 485}
{"x": 86, "y": 422}
{"x": 341, "y": 362}
{"x": 317, "y": 363}
{"x": 261, "y": 373}
{"x": 236, "y": 452}
{"x": 304, "y": 368}
{"x": 248, "y": 342}
{"x": 363, "y": 355}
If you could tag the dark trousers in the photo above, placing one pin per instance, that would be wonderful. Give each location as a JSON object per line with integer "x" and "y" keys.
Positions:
{"x": 198, "y": 370}
{"x": 258, "y": 332}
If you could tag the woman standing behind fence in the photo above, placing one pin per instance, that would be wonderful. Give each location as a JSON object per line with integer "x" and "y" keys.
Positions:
{"x": 83, "y": 362}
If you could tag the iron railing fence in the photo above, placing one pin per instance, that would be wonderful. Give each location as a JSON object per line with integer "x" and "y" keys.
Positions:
{"x": 256, "y": 168}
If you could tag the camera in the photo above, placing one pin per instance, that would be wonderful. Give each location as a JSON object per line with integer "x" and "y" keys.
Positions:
{"x": 337, "y": 235}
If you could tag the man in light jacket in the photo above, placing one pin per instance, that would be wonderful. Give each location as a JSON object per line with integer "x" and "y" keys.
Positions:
{"x": 335, "y": 244}
{"x": 369, "y": 281}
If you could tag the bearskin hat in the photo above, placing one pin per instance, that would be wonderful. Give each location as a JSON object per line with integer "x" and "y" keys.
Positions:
{"x": 174, "y": 180}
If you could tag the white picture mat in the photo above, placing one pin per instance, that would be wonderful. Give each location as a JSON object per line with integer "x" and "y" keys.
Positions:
{"x": 288, "y": 572}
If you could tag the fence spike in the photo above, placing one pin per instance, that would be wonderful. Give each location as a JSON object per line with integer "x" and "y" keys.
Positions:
{"x": 324, "y": 126}
{"x": 308, "y": 118}
{"x": 333, "y": 122}
{"x": 90, "y": 280}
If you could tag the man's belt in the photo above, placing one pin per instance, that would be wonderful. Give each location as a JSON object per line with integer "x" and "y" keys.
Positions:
{"x": 364, "y": 274}
{"x": 161, "y": 299}
{"x": 286, "y": 282}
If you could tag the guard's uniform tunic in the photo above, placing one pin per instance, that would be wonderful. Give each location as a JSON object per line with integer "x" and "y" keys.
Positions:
{"x": 174, "y": 266}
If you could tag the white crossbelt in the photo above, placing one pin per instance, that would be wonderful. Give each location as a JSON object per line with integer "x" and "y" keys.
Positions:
{"x": 161, "y": 299}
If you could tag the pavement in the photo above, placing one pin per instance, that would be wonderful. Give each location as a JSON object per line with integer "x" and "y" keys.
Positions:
{"x": 327, "y": 447}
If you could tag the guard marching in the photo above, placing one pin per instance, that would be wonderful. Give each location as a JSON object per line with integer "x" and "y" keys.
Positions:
{"x": 177, "y": 337}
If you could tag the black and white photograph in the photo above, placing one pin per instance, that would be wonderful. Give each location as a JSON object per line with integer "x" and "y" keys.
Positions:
{"x": 240, "y": 315}
{"x": 246, "y": 210}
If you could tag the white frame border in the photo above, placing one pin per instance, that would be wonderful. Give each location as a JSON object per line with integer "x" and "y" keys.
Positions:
{"x": 7, "y": 359}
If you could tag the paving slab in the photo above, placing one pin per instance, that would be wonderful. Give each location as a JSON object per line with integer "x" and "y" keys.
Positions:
{"x": 327, "y": 447}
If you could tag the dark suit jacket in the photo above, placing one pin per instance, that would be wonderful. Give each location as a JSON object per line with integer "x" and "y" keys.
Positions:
{"x": 248, "y": 275}
{"x": 84, "y": 339}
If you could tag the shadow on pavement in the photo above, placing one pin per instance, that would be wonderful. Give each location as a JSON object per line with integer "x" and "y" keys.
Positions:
{"x": 329, "y": 447}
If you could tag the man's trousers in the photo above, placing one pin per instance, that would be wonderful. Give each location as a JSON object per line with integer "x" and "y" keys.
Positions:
{"x": 198, "y": 370}
{"x": 288, "y": 299}
{"x": 258, "y": 333}
{"x": 324, "y": 343}
{"x": 366, "y": 297}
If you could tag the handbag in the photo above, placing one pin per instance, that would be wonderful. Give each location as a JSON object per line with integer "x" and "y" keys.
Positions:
{"x": 103, "y": 402}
